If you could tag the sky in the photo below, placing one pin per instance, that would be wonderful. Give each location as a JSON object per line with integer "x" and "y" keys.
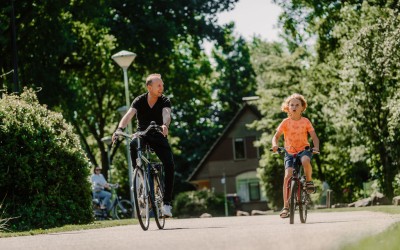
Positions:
{"x": 254, "y": 17}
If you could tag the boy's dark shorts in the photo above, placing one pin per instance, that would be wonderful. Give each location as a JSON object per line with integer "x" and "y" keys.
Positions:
{"x": 289, "y": 158}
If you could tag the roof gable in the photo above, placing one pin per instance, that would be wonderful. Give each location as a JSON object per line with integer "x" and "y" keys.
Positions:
{"x": 229, "y": 128}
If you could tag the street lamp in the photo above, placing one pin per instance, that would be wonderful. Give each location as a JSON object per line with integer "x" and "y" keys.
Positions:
{"x": 108, "y": 141}
{"x": 124, "y": 59}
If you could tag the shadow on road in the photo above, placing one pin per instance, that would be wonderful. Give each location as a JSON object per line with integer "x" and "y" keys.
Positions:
{"x": 186, "y": 228}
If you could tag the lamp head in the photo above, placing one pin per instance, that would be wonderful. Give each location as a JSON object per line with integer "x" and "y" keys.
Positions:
{"x": 124, "y": 58}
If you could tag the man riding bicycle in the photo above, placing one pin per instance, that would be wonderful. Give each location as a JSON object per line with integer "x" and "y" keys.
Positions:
{"x": 153, "y": 106}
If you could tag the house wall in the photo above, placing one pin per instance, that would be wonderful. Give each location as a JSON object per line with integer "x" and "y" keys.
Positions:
{"x": 221, "y": 160}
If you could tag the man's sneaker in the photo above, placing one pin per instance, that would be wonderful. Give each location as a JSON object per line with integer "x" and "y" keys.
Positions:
{"x": 166, "y": 210}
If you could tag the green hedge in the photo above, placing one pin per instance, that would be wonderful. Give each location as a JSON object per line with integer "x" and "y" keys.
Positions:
{"x": 195, "y": 203}
{"x": 43, "y": 169}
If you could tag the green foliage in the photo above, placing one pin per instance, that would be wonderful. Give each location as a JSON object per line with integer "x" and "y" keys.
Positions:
{"x": 195, "y": 203}
{"x": 279, "y": 74}
{"x": 351, "y": 85}
{"x": 66, "y": 50}
{"x": 370, "y": 75}
{"x": 396, "y": 185}
{"x": 236, "y": 75}
{"x": 388, "y": 239}
{"x": 43, "y": 171}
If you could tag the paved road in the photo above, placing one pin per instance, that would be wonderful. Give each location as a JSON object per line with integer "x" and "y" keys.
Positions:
{"x": 322, "y": 231}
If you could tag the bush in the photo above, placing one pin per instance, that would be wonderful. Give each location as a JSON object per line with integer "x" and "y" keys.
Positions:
{"x": 43, "y": 171}
{"x": 195, "y": 203}
{"x": 396, "y": 185}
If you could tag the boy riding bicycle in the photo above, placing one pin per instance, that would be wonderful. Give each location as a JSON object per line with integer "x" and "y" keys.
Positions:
{"x": 295, "y": 129}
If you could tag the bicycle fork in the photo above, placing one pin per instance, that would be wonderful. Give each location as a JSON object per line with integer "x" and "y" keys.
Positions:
{"x": 298, "y": 190}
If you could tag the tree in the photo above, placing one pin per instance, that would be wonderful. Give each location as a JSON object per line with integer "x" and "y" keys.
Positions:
{"x": 66, "y": 47}
{"x": 361, "y": 76}
{"x": 371, "y": 76}
{"x": 279, "y": 73}
{"x": 236, "y": 77}
{"x": 305, "y": 20}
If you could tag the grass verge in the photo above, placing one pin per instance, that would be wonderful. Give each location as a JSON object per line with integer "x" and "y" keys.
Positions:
{"x": 67, "y": 228}
{"x": 388, "y": 239}
{"x": 390, "y": 209}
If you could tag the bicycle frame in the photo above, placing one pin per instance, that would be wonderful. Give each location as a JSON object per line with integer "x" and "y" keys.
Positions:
{"x": 297, "y": 178}
{"x": 148, "y": 188}
{"x": 296, "y": 194}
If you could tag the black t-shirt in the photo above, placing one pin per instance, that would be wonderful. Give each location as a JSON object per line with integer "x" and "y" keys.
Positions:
{"x": 145, "y": 114}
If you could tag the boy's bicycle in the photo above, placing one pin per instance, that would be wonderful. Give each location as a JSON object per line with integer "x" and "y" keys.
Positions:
{"x": 119, "y": 209}
{"x": 297, "y": 194}
{"x": 148, "y": 182}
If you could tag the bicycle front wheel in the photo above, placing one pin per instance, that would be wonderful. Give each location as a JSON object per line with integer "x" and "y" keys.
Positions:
{"x": 123, "y": 210}
{"x": 142, "y": 198}
{"x": 158, "y": 203}
{"x": 292, "y": 201}
{"x": 303, "y": 206}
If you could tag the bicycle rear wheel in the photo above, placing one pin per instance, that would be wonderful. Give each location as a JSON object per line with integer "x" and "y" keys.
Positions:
{"x": 158, "y": 203}
{"x": 292, "y": 200}
{"x": 123, "y": 210}
{"x": 142, "y": 198}
{"x": 303, "y": 206}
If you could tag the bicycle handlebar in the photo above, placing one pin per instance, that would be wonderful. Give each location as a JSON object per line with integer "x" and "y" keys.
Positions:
{"x": 152, "y": 126}
{"x": 282, "y": 150}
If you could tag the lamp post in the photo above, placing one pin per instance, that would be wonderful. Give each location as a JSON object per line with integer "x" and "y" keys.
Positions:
{"x": 124, "y": 59}
{"x": 14, "y": 48}
{"x": 223, "y": 181}
{"x": 108, "y": 141}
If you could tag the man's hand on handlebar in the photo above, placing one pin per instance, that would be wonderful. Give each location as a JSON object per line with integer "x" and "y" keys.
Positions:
{"x": 164, "y": 130}
{"x": 115, "y": 135}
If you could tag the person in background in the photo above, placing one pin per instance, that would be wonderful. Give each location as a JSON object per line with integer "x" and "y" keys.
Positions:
{"x": 99, "y": 184}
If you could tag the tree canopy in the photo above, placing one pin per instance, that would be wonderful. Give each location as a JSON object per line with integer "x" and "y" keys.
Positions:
{"x": 350, "y": 81}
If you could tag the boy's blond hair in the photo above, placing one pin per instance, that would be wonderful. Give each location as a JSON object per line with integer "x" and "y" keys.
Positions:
{"x": 285, "y": 104}
{"x": 151, "y": 77}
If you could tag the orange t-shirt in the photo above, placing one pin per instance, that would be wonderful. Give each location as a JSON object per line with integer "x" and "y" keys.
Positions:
{"x": 295, "y": 133}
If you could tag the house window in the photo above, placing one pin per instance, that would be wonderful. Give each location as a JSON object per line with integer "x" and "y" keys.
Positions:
{"x": 248, "y": 190}
{"x": 254, "y": 191}
{"x": 248, "y": 187}
{"x": 239, "y": 149}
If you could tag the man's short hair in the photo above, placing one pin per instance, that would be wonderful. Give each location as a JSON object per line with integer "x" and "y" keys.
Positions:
{"x": 151, "y": 77}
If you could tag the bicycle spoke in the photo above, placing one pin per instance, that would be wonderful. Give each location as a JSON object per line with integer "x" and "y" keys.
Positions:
{"x": 158, "y": 202}
{"x": 141, "y": 199}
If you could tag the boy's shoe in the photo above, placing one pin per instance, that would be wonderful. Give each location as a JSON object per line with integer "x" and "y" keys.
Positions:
{"x": 284, "y": 212}
{"x": 166, "y": 210}
{"x": 310, "y": 187}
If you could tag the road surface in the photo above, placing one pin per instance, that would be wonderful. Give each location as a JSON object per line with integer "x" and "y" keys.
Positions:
{"x": 322, "y": 231}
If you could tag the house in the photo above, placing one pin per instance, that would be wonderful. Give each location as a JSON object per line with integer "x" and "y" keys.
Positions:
{"x": 231, "y": 163}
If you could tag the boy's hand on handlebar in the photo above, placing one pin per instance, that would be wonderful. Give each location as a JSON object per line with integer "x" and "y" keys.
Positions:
{"x": 274, "y": 149}
{"x": 315, "y": 150}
